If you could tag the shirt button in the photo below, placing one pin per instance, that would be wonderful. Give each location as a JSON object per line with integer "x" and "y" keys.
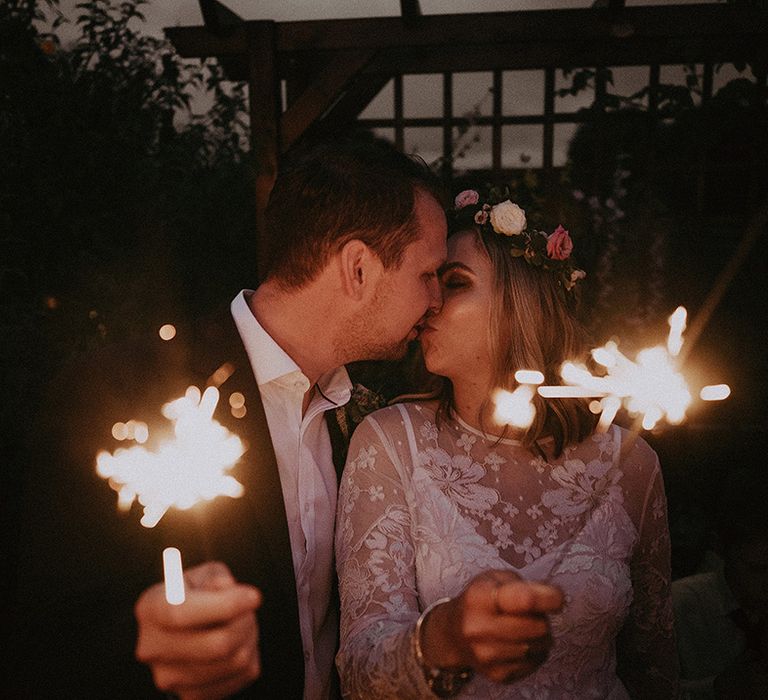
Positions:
{"x": 306, "y": 656}
{"x": 306, "y": 507}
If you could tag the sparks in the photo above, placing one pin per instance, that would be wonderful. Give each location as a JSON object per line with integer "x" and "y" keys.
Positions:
{"x": 514, "y": 407}
{"x": 182, "y": 471}
{"x": 651, "y": 387}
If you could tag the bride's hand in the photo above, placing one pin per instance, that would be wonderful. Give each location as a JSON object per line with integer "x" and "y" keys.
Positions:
{"x": 498, "y": 626}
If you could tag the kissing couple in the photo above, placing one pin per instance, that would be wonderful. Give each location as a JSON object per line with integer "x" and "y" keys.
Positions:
{"x": 423, "y": 549}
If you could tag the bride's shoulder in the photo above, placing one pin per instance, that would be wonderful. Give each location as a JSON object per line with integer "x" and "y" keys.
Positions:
{"x": 635, "y": 454}
{"x": 634, "y": 445}
{"x": 397, "y": 415}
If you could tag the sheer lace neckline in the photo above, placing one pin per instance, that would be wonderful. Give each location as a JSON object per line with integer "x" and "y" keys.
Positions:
{"x": 490, "y": 437}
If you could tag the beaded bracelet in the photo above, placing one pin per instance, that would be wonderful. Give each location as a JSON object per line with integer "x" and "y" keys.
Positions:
{"x": 443, "y": 682}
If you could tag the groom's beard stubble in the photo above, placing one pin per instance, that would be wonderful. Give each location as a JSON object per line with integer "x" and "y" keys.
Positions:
{"x": 365, "y": 337}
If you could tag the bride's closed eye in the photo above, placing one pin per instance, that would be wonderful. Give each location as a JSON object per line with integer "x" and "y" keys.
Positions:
{"x": 452, "y": 280}
{"x": 455, "y": 275}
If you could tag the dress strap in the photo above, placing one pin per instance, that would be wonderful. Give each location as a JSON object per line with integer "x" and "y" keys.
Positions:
{"x": 616, "y": 436}
{"x": 408, "y": 425}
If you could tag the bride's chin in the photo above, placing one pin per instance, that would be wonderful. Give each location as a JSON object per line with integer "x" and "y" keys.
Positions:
{"x": 431, "y": 363}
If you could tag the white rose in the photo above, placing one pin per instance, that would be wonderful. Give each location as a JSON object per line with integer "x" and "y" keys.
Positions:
{"x": 577, "y": 275}
{"x": 507, "y": 218}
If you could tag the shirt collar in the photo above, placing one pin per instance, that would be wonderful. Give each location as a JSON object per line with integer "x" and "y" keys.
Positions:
{"x": 335, "y": 386}
{"x": 270, "y": 363}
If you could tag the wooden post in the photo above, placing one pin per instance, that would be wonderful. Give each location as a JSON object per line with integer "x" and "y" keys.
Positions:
{"x": 264, "y": 102}
{"x": 547, "y": 160}
{"x": 707, "y": 80}
{"x": 448, "y": 137}
{"x": 399, "y": 129}
{"x": 496, "y": 145}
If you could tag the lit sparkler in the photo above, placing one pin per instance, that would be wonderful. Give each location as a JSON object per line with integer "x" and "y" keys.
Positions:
{"x": 182, "y": 471}
{"x": 515, "y": 408}
{"x": 650, "y": 387}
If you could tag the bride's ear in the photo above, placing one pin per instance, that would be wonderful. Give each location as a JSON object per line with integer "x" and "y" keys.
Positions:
{"x": 360, "y": 269}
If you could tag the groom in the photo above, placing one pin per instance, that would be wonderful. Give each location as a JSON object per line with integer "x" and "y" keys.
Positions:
{"x": 356, "y": 236}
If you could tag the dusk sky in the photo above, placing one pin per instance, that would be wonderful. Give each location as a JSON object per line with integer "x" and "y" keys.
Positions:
{"x": 523, "y": 90}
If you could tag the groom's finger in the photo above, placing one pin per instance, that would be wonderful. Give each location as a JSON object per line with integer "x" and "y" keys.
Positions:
{"x": 191, "y": 672}
{"x": 164, "y": 646}
{"x": 211, "y": 575}
{"x": 202, "y": 608}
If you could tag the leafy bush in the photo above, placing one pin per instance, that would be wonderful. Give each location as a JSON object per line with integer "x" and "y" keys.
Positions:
{"x": 120, "y": 209}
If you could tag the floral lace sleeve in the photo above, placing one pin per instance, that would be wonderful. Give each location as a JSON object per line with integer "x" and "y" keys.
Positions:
{"x": 647, "y": 658}
{"x": 375, "y": 561}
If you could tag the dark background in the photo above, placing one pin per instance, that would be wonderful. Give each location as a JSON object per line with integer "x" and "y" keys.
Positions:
{"x": 117, "y": 216}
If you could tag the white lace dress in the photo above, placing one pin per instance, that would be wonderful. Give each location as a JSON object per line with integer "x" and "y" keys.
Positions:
{"x": 422, "y": 511}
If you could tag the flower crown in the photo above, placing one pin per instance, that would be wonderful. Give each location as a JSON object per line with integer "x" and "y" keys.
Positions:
{"x": 503, "y": 217}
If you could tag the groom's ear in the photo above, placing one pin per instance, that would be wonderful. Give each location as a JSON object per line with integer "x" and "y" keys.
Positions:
{"x": 360, "y": 269}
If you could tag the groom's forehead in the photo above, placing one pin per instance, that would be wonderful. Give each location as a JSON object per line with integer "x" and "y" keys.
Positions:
{"x": 433, "y": 227}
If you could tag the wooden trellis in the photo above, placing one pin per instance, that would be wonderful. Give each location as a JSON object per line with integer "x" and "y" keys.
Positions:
{"x": 317, "y": 76}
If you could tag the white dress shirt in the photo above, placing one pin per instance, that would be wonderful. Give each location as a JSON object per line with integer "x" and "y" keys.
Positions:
{"x": 308, "y": 479}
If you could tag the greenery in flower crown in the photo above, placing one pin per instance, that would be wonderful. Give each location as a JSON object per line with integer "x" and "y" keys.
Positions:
{"x": 497, "y": 214}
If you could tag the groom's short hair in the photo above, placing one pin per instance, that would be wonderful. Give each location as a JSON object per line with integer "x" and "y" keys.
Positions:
{"x": 334, "y": 192}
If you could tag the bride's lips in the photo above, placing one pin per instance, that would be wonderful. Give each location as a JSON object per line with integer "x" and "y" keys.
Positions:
{"x": 425, "y": 328}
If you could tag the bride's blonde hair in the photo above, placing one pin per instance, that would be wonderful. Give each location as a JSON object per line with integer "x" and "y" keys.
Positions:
{"x": 533, "y": 325}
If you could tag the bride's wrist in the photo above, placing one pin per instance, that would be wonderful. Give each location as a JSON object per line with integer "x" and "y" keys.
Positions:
{"x": 436, "y": 642}
{"x": 436, "y": 655}
{"x": 443, "y": 674}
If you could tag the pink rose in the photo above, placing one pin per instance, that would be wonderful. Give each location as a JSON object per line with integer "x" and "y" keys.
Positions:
{"x": 465, "y": 198}
{"x": 559, "y": 244}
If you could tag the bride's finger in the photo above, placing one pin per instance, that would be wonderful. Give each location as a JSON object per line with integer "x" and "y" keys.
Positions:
{"x": 538, "y": 651}
{"x": 519, "y": 628}
{"x": 527, "y": 597}
{"x": 507, "y": 672}
{"x": 493, "y": 653}
{"x": 534, "y": 652}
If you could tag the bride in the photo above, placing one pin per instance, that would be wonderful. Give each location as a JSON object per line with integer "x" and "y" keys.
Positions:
{"x": 486, "y": 563}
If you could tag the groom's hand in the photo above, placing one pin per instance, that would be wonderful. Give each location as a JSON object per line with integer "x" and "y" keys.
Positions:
{"x": 498, "y": 626}
{"x": 207, "y": 647}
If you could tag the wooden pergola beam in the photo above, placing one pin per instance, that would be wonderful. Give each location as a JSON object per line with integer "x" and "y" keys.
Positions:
{"x": 543, "y": 27}
{"x": 218, "y": 18}
{"x": 573, "y": 54}
{"x": 410, "y": 11}
{"x": 264, "y": 108}
{"x": 547, "y": 26}
{"x": 321, "y": 94}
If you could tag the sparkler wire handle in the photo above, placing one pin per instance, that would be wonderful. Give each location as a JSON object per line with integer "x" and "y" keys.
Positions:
{"x": 174, "y": 576}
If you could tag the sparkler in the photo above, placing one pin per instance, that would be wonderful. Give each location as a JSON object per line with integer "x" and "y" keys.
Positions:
{"x": 651, "y": 387}
{"x": 182, "y": 472}
{"x": 515, "y": 408}
{"x": 174, "y": 576}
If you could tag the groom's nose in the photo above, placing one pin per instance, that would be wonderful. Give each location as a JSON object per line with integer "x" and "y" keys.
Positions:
{"x": 435, "y": 296}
